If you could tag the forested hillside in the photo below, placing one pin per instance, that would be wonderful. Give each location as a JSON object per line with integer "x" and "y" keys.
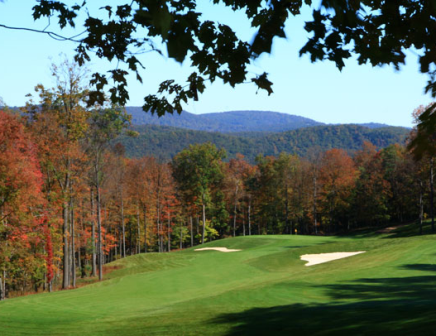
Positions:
{"x": 164, "y": 142}
{"x": 224, "y": 122}
{"x": 231, "y": 121}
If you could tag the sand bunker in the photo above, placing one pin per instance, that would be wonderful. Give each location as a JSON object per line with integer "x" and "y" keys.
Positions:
{"x": 221, "y": 249}
{"x": 315, "y": 259}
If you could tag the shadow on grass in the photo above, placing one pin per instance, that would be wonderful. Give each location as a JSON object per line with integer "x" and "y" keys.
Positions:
{"x": 389, "y": 231}
{"x": 388, "y": 306}
{"x": 411, "y": 230}
{"x": 421, "y": 267}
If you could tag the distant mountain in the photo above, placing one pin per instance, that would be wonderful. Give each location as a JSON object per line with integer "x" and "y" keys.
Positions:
{"x": 164, "y": 142}
{"x": 244, "y": 123}
{"x": 225, "y": 122}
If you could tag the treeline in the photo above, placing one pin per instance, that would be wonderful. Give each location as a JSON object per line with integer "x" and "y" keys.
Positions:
{"x": 71, "y": 202}
{"x": 165, "y": 142}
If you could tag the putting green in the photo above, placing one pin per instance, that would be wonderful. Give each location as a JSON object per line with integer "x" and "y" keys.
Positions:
{"x": 264, "y": 289}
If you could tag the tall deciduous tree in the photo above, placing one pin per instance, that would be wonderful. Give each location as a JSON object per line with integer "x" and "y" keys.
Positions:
{"x": 372, "y": 191}
{"x": 64, "y": 106}
{"x": 105, "y": 125}
{"x": 21, "y": 202}
{"x": 338, "y": 176}
{"x": 198, "y": 170}
{"x": 423, "y": 145}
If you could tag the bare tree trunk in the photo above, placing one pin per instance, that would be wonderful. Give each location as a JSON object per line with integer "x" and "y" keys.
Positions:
{"x": 130, "y": 238}
{"x": 138, "y": 240}
{"x": 145, "y": 229}
{"x": 3, "y": 285}
{"x": 169, "y": 231}
{"x": 123, "y": 227}
{"x": 158, "y": 230}
{"x": 94, "y": 254}
{"x": 181, "y": 235}
{"x": 204, "y": 221}
{"x": 99, "y": 242}
{"x": 159, "y": 234}
{"x": 249, "y": 216}
{"x": 80, "y": 265}
{"x": 79, "y": 256}
{"x": 115, "y": 254}
{"x": 192, "y": 232}
{"x": 66, "y": 268}
{"x": 73, "y": 247}
{"x": 432, "y": 194}
{"x": 234, "y": 211}
{"x": 243, "y": 222}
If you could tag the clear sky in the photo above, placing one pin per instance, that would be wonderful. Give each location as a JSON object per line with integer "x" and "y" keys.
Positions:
{"x": 318, "y": 91}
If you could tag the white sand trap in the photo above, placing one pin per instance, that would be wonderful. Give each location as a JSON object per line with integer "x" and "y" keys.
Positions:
{"x": 221, "y": 249}
{"x": 315, "y": 259}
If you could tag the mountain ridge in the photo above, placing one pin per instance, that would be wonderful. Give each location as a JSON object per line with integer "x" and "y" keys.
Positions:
{"x": 238, "y": 121}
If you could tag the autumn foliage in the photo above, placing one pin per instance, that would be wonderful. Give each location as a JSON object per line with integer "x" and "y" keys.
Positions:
{"x": 71, "y": 202}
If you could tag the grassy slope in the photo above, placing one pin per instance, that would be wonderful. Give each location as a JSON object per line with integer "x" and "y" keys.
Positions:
{"x": 264, "y": 289}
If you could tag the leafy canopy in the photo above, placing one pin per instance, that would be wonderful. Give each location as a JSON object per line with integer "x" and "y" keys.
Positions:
{"x": 378, "y": 32}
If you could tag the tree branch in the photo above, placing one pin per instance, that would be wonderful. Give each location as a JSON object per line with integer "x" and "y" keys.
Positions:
{"x": 49, "y": 33}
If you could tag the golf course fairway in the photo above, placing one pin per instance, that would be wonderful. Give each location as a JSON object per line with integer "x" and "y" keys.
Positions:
{"x": 264, "y": 289}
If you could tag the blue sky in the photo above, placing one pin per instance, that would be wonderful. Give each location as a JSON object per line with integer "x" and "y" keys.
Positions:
{"x": 317, "y": 91}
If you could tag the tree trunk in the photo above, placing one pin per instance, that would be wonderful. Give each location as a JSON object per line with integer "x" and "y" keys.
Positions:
{"x": 99, "y": 242}
{"x": 249, "y": 216}
{"x": 314, "y": 206}
{"x": 138, "y": 240}
{"x": 169, "y": 231}
{"x": 3, "y": 286}
{"x": 204, "y": 221}
{"x": 192, "y": 233}
{"x": 432, "y": 194}
{"x": 158, "y": 231}
{"x": 159, "y": 241}
{"x": 66, "y": 268}
{"x": 287, "y": 211}
{"x": 243, "y": 222}
{"x": 130, "y": 239}
{"x": 94, "y": 254}
{"x": 234, "y": 217}
{"x": 145, "y": 229}
{"x": 123, "y": 227}
{"x": 181, "y": 235}
{"x": 73, "y": 247}
{"x": 79, "y": 257}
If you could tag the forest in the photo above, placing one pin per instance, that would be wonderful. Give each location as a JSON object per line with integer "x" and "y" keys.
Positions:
{"x": 165, "y": 142}
{"x": 72, "y": 201}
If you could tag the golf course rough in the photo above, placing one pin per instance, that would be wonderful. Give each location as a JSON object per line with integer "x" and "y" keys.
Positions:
{"x": 264, "y": 289}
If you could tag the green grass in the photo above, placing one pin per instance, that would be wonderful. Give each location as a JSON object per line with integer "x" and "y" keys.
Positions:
{"x": 263, "y": 290}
